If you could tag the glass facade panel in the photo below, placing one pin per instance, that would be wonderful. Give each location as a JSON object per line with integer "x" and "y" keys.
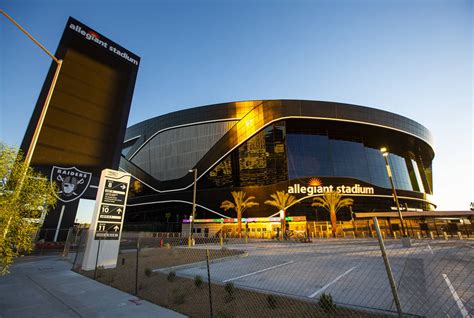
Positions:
{"x": 378, "y": 171}
{"x": 401, "y": 177}
{"x": 259, "y": 161}
{"x": 221, "y": 175}
{"x": 170, "y": 154}
{"x": 308, "y": 155}
{"x": 417, "y": 176}
{"x": 349, "y": 159}
{"x": 301, "y": 149}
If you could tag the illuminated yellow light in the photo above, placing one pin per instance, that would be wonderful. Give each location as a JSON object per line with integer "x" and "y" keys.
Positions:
{"x": 315, "y": 182}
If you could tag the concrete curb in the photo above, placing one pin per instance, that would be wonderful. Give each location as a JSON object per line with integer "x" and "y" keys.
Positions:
{"x": 166, "y": 270}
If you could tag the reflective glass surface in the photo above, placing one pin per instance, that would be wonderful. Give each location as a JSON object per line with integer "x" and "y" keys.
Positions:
{"x": 295, "y": 149}
{"x": 401, "y": 177}
{"x": 259, "y": 161}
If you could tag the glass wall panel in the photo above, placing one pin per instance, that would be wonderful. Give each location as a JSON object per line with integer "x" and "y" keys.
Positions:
{"x": 418, "y": 176}
{"x": 170, "y": 154}
{"x": 308, "y": 155}
{"x": 221, "y": 175}
{"x": 401, "y": 177}
{"x": 349, "y": 159}
{"x": 378, "y": 171}
{"x": 259, "y": 161}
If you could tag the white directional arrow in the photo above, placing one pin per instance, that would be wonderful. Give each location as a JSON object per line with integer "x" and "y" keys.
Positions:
{"x": 123, "y": 186}
{"x": 116, "y": 228}
{"x": 119, "y": 210}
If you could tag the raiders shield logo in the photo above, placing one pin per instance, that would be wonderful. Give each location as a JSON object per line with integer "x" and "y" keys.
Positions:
{"x": 72, "y": 182}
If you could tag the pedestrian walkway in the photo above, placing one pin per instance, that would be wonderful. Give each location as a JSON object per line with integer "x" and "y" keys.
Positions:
{"x": 44, "y": 286}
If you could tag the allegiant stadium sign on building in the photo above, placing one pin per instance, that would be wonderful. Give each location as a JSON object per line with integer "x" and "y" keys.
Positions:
{"x": 355, "y": 189}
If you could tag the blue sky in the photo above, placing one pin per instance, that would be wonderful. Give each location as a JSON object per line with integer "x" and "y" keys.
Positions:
{"x": 413, "y": 58}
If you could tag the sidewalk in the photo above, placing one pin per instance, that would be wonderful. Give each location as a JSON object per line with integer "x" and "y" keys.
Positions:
{"x": 44, "y": 286}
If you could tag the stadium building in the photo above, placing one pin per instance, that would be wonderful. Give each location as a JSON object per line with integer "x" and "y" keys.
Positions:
{"x": 301, "y": 147}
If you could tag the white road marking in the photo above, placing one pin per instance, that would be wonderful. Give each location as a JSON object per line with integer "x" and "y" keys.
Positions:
{"x": 260, "y": 271}
{"x": 461, "y": 307}
{"x": 329, "y": 284}
{"x": 430, "y": 248}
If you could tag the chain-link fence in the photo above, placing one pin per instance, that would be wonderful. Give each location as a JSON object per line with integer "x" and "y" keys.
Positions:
{"x": 254, "y": 277}
{"x": 54, "y": 241}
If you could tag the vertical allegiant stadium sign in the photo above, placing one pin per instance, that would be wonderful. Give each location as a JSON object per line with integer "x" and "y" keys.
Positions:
{"x": 315, "y": 186}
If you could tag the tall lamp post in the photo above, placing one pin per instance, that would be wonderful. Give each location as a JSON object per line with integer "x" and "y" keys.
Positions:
{"x": 191, "y": 224}
{"x": 405, "y": 238}
{"x": 39, "y": 125}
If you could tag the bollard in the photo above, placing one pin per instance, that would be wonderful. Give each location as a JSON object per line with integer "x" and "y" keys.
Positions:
{"x": 161, "y": 243}
{"x": 363, "y": 234}
{"x": 418, "y": 235}
{"x": 460, "y": 235}
{"x": 432, "y": 235}
{"x": 383, "y": 235}
{"x": 395, "y": 235}
{"x": 343, "y": 234}
{"x": 353, "y": 234}
{"x": 445, "y": 235}
{"x": 221, "y": 239}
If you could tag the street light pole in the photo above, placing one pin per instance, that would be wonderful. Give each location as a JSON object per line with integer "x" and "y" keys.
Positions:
{"x": 36, "y": 133}
{"x": 395, "y": 197}
{"x": 39, "y": 125}
{"x": 191, "y": 226}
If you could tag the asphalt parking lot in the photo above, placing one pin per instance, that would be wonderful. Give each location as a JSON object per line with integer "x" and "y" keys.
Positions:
{"x": 434, "y": 278}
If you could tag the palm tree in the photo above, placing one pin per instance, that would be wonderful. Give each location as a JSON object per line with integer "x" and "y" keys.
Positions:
{"x": 332, "y": 202}
{"x": 240, "y": 204}
{"x": 281, "y": 200}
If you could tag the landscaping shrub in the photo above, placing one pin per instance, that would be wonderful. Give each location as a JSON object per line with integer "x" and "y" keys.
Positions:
{"x": 148, "y": 272}
{"x": 272, "y": 302}
{"x": 171, "y": 276}
{"x": 198, "y": 281}
{"x": 326, "y": 303}
{"x": 179, "y": 296}
{"x": 229, "y": 288}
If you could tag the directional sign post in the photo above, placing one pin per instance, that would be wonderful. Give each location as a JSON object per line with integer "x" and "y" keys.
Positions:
{"x": 107, "y": 221}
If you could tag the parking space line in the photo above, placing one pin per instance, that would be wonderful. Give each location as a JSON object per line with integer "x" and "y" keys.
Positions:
{"x": 260, "y": 271}
{"x": 431, "y": 250}
{"x": 330, "y": 283}
{"x": 461, "y": 307}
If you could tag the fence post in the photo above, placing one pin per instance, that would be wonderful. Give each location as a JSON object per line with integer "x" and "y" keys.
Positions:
{"x": 136, "y": 266}
{"x": 388, "y": 269}
{"x": 209, "y": 281}
{"x": 445, "y": 235}
{"x": 68, "y": 242}
{"x": 81, "y": 237}
{"x": 96, "y": 260}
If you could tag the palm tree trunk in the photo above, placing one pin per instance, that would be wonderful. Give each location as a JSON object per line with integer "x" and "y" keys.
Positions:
{"x": 239, "y": 225}
{"x": 283, "y": 226}
{"x": 333, "y": 222}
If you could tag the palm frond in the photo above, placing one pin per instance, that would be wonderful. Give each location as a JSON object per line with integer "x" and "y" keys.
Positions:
{"x": 281, "y": 200}
{"x": 226, "y": 205}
